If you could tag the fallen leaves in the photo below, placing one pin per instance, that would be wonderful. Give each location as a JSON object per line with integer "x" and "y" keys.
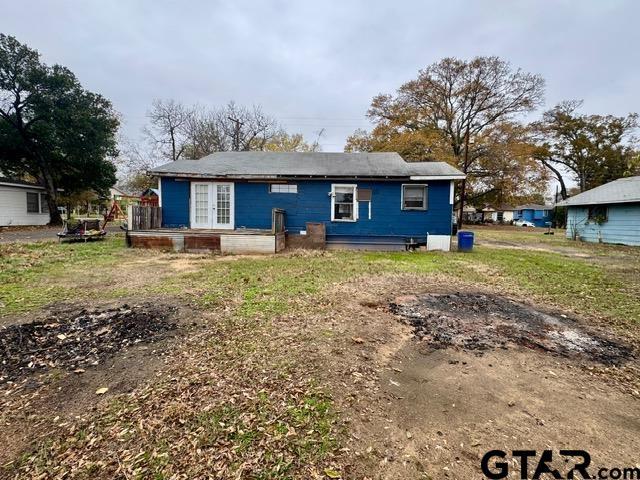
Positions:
{"x": 235, "y": 407}
{"x": 332, "y": 473}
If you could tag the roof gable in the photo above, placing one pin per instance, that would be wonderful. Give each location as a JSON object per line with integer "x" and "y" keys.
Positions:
{"x": 622, "y": 190}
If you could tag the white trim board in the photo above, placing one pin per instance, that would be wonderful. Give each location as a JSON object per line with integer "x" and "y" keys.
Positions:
{"x": 439, "y": 242}
{"x": 436, "y": 177}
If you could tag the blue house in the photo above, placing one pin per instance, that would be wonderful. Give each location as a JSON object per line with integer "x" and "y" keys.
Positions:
{"x": 609, "y": 213}
{"x": 236, "y": 201}
{"x": 539, "y": 215}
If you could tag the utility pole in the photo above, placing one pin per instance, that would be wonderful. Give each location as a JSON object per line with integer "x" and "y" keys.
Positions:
{"x": 236, "y": 133}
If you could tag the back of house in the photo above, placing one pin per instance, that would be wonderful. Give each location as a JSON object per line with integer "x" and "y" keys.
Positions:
{"x": 358, "y": 200}
{"x": 539, "y": 215}
{"x": 609, "y": 213}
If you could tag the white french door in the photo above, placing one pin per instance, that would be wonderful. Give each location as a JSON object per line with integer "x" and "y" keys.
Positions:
{"x": 212, "y": 205}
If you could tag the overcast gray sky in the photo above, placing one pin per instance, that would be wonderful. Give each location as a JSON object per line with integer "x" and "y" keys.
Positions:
{"x": 317, "y": 64}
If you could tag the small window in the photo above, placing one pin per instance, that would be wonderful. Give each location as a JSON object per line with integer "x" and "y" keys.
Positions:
{"x": 283, "y": 188}
{"x": 414, "y": 197}
{"x": 44, "y": 206}
{"x": 343, "y": 203}
{"x": 598, "y": 213}
{"x": 33, "y": 203}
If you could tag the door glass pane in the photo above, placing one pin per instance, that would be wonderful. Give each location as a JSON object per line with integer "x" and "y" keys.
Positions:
{"x": 202, "y": 204}
{"x": 224, "y": 204}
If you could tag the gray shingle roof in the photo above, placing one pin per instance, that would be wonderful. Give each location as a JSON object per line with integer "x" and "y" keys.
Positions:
{"x": 533, "y": 206}
{"x": 623, "y": 190}
{"x": 18, "y": 183}
{"x": 314, "y": 164}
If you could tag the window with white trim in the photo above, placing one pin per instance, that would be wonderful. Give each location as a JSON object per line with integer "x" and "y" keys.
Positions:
{"x": 33, "y": 202}
{"x": 414, "y": 197}
{"x": 283, "y": 188}
{"x": 344, "y": 206}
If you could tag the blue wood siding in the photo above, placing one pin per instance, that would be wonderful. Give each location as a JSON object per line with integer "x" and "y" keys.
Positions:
{"x": 622, "y": 225}
{"x": 175, "y": 202}
{"x": 537, "y": 217}
{"x": 312, "y": 203}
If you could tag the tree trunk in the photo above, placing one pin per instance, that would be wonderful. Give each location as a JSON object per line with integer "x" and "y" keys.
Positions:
{"x": 173, "y": 145}
{"x": 556, "y": 172}
{"x": 52, "y": 195}
{"x": 54, "y": 215}
{"x": 463, "y": 187}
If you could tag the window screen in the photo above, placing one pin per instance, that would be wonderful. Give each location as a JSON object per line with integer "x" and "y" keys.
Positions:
{"x": 283, "y": 188}
{"x": 33, "y": 204}
{"x": 414, "y": 197}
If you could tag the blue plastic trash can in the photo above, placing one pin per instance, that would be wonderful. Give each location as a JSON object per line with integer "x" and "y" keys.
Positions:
{"x": 465, "y": 241}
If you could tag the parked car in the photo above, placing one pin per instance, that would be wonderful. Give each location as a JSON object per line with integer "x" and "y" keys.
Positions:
{"x": 523, "y": 223}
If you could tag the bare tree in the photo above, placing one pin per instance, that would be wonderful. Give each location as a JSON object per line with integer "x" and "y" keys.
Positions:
{"x": 231, "y": 128}
{"x": 459, "y": 100}
{"x": 133, "y": 162}
{"x": 246, "y": 128}
{"x": 204, "y": 134}
{"x": 177, "y": 131}
{"x": 168, "y": 130}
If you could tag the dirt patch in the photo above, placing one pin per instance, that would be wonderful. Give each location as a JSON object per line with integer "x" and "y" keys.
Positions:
{"x": 79, "y": 340}
{"x": 416, "y": 412}
{"x": 60, "y": 387}
{"x": 481, "y": 321}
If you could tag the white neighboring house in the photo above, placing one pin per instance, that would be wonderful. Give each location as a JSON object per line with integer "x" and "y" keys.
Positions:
{"x": 22, "y": 203}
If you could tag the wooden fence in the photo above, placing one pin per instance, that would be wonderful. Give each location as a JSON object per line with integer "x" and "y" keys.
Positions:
{"x": 144, "y": 217}
{"x": 277, "y": 220}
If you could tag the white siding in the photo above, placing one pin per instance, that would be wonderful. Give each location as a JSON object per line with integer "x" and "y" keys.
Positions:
{"x": 622, "y": 225}
{"x": 247, "y": 243}
{"x": 13, "y": 207}
{"x": 439, "y": 242}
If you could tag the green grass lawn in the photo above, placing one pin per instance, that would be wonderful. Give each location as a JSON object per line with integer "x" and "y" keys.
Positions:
{"x": 282, "y": 418}
{"x": 33, "y": 275}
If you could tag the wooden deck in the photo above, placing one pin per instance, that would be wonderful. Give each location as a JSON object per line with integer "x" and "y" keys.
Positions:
{"x": 200, "y": 240}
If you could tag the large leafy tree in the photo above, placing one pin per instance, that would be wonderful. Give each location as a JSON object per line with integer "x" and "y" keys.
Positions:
{"x": 507, "y": 172}
{"x": 52, "y": 129}
{"x": 454, "y": 104}
{"x": 591, "y": 149}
